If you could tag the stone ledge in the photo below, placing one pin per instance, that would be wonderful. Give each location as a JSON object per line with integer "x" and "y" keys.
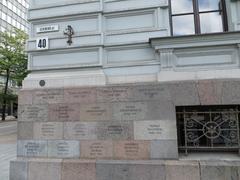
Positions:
{"x": 38, "y": 169}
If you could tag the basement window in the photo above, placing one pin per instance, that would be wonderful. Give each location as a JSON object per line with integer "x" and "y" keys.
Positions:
{"x": 208, "y": 128}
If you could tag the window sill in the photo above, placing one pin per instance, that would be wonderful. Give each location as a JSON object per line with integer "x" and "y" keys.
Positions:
{"x": 210, "y": 156}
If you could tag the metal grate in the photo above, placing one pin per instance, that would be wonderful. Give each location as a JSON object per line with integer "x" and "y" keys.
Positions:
{"x": 208, "y": 129}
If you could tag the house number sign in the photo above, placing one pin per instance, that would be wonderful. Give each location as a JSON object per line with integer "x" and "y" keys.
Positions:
{"x": 42, "y": 43}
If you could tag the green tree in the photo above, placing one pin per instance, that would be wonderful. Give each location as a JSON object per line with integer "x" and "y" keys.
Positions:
{"x": 13, "y": 61}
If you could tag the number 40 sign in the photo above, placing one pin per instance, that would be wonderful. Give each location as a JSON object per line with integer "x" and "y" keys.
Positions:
{"x": 42, "y": 43}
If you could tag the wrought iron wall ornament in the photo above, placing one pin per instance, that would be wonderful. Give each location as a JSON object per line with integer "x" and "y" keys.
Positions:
{"x": 209, "y": 130}
{"x": 69, "y": 32}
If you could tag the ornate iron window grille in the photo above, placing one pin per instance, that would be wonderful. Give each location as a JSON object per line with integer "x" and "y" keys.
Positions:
{"x": 208, "y": 130}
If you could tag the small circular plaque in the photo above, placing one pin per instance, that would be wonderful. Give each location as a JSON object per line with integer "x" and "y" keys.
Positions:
{"x": 42, "y": 83}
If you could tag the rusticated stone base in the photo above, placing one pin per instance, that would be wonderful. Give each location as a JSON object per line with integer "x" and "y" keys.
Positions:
{"x": 114, "y": 132}
{"x": 69, "y": 169}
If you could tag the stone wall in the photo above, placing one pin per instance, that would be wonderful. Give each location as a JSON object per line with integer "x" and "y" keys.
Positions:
{"x": 91, "y": 131}
{"x": 69, "y": 169}
{"x": 112, "y": 122}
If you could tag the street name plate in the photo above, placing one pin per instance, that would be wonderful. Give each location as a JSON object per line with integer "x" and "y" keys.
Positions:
{"x": 46, "y": 29}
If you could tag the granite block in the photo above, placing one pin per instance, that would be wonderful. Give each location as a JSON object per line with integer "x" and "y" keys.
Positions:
{"x": 30, "y": 148}
{"x": 96, "y": 112}
{"x": 219, "y": 170}
{"x": 64, "y": 112}
{"x": 79, "y": 170}
{"x": 25, "y": 130}
{"x": 151, "y": 92}
{"x": 155, "y": 130}
{"x": 160, "y": 110}
{"x": 44, "y": 170}
{"x": 210, "y": 92}
{"x": 115, "y": 130}
{"x": 130, "y": 110}
{"x": 131, "y": 150}
{"x": 48, "y": 96}
{"x": 33, "y": 113}
{"x": 63, "y": 149}
{"x": 25, "y": 97}
{"x": 96, "y": 149}
{"x": 184, "y": 93}
{"x": 230, "y": 92}
{"x": 182, "y": 170}
{"x": 48, "y": 130}
{"x": 114, "y": 94}
{"x": 130, "y": 170}
{"x": 145, "y": 110}
{"x": 164, "y": 149}
{"x": 80, "y": 95}
{"x": 18, "y": 170}
{"x": 80, "y": 130}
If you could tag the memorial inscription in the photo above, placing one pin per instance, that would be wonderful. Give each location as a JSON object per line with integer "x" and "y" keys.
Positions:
{"x": 96, "y": 149}
{"x": 64, "y": 112}
{"x": 111, "y": 94}
{"x": 95, "y": 112}
{"x": 48, "y": 96}
{"x": 80, "y": 131}
{"x": 155, "y": 130}
{"x": 115, "y": 130}
{"x": 131, "y": 149}
{"x": 87, "y": 95}
{"x": 33, "y": 113}
{"x": 32, "y": 148}
{"x": 48, "y": 130}
{"x": 151, "y": 92}
{"x": 129, "y": 111}
{"x": 63, "y": 149}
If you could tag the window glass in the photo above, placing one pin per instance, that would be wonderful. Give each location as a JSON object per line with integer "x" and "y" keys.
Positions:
{"x": 182, "y": 6}
{"x": 211, "y": 22}
{"x": 208, "y": 5}
{"x": 183, "y": 25}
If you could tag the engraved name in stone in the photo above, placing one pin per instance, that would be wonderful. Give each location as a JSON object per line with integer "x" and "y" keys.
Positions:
{"x": 113, "y": 94}
{"x": 48, "y": 96}
{"x": 94, "y": 112}
{"x": 115, "y": 130}
{"x": 32, "y": 148}
{"x": 48, "y": 130}
{"x": 87, "y": 95}
{"x": 154, "y": 130}
{"x": 152, "y": 92}
{"x": 80, "y": 131}
{"x": 129, "y": 111}
{"x": 131, "y": 149}
{"x": 64, "y": 112}
{"x": 96, "y": 149}
{"x": 33, "y": 113}
{"x": 63, "y": 149}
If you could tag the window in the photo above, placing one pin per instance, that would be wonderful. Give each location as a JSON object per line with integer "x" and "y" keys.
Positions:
{"x": 198, "y": 16}
{"x": 208, "y": 128}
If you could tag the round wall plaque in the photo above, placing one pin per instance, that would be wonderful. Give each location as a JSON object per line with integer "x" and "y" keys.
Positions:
{"x": 42, "y": 83}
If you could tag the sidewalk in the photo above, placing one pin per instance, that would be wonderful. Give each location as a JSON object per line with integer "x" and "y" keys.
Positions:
{"x": 8, "y": 118}
{"x": 8, "y": 138}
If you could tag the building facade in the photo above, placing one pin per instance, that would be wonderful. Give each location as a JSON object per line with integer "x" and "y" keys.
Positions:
{"x": 13, "y": 13}
{"x": 121, "y": 89}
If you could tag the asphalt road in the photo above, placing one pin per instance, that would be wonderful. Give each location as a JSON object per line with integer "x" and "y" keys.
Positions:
{"x": 7, "y": 147}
